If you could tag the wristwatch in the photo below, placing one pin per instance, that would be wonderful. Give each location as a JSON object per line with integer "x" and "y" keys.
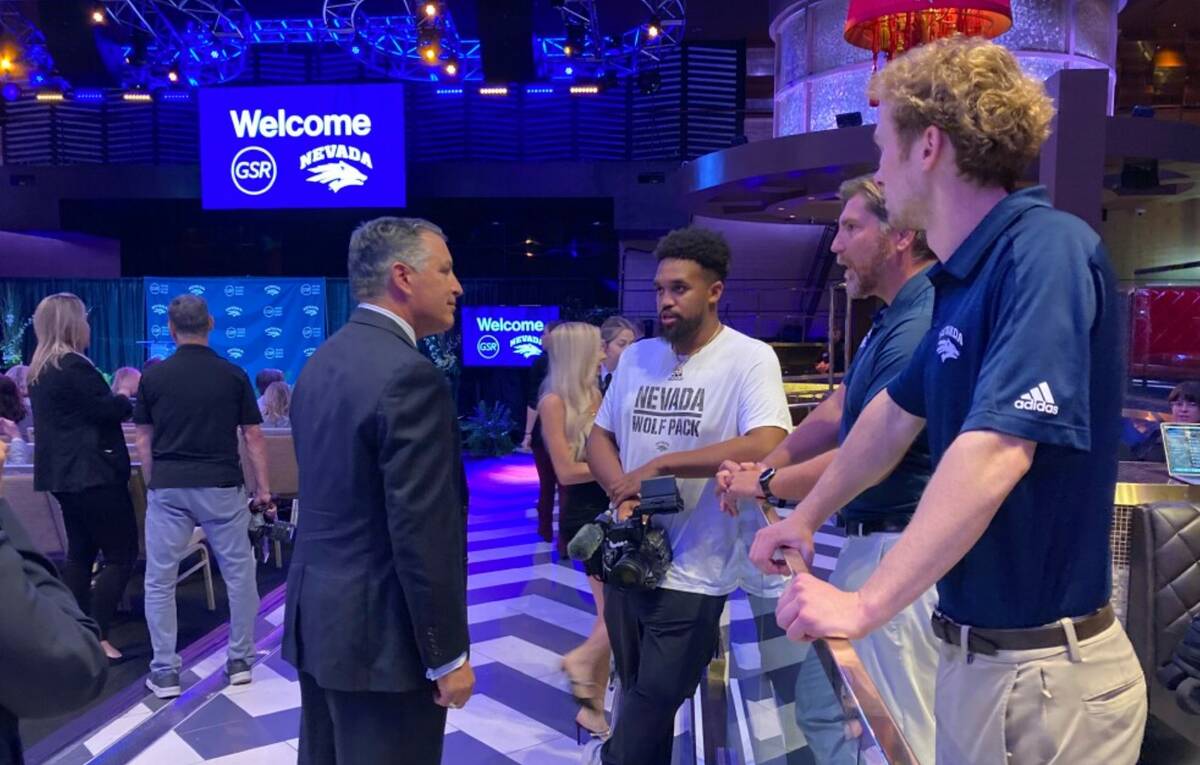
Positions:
{"x": 764, "y": 483}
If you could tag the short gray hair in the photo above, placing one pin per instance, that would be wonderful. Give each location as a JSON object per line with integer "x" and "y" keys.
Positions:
{"x": 189, "y": 315}
{"x": 378, "y": 243}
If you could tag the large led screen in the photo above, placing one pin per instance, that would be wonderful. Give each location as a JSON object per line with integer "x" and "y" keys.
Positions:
{"x": 307, "y": 146}
{"x": 504, "y": 336}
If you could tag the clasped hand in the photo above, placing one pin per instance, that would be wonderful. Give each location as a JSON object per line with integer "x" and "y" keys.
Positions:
{"x": 737, "y": 481}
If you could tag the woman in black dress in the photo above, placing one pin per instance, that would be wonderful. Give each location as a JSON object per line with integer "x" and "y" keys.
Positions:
{"x": 567, "y": 409}
{"x": 81, "y": 458}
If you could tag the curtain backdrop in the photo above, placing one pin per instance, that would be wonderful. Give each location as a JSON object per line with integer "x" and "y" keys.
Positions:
{"x": 116, "y": 313}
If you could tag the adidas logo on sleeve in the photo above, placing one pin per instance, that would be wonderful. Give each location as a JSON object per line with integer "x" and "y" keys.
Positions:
{"x": 1038, "y": 399}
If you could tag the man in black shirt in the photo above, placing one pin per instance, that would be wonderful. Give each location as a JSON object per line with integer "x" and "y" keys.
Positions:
{"x": 189, "y": 409}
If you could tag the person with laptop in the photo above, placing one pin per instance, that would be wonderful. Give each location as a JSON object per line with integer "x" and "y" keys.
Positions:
{"x": 1185, "y": 409}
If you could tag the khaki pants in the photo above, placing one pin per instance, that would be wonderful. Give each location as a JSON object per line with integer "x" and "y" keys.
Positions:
{"x": 1050, "y": 706}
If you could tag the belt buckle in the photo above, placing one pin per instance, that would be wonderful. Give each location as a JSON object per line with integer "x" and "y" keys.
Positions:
{"x": 941, "y": 627}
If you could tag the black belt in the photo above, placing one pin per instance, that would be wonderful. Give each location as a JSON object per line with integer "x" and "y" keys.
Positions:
{"x": 988, "y": 642}
{"x": 884, "y": 524}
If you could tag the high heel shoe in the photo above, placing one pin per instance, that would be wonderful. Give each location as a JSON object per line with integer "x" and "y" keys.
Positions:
{"x": 601, "y": 733}
{"x": 584, "y": 694}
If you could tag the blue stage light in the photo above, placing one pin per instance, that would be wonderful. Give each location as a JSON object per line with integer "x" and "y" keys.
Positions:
{"x": 89, "y": 96}
{"x": 449, "y": 91}
{"x": 11, "y": 91}
{"x": 570, "y": 70}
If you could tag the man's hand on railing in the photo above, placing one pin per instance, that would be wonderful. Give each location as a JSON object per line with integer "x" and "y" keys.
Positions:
{"x": 812, "y": 609}
{"x": 790, "y": 533}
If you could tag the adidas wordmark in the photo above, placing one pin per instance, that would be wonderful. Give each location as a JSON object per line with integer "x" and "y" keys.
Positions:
{"x": 1038, "y": 399}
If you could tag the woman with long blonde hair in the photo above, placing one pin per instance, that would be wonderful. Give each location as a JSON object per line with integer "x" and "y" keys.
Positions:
{"x": 80, "y": 457}
{"x": 277, "y": 403}
{"x": 567, "y": 409}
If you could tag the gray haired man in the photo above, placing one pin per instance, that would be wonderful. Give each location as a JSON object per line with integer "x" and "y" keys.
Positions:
{"x": 377, "y": 592}
{"x": 188, "y": 412}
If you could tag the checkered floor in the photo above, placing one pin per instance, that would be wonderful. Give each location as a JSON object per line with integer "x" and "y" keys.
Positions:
{"x": 526, "y": 611}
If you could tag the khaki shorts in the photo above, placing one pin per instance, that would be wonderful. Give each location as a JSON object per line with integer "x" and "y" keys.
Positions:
{"x": 1057, "y": 706}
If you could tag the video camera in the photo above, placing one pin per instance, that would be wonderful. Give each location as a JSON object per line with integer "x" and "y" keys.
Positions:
{"x": 633, "y": 555}
{"x": 266, "y": 528}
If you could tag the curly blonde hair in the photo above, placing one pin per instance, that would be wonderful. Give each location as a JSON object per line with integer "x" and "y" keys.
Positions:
{"x": 995, "y": 115}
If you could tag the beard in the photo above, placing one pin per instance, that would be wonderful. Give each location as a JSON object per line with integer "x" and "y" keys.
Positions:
{"x": 867, "y": 278}
{"x": 683, "y": 329}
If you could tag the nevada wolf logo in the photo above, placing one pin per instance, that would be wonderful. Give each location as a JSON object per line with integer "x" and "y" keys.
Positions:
{"x": 947, "y": 349}
{"x": 336, "y": 175}
{"x": 950, "y": 342}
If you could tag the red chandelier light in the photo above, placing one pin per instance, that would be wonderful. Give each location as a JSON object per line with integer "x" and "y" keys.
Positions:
{"x": 894, "y": 26}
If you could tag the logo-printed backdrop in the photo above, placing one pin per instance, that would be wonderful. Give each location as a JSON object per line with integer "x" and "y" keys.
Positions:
{"x": 260, "y": 323}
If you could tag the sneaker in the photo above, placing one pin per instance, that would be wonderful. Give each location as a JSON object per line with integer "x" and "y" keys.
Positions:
{"x": 164, "y": 683}
{"x": 238, "y": 671}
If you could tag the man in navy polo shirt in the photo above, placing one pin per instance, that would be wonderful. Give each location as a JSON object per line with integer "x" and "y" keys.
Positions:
{"x": 888, "y": 263}
{"x": 1018, "y": 384}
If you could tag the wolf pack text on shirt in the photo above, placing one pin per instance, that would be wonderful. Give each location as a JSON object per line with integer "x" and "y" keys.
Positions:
{"x": 668, "y": 411}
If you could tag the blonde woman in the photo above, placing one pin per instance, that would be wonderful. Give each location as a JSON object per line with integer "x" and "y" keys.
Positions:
{"x": 277, "y": 401}
{"x": 80, "y": 457}
{"x": 125, "y": 382}
{"x": 570, "y": 398}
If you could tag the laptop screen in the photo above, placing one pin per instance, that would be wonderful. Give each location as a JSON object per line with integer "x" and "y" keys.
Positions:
{"x": 1181, "y": 442}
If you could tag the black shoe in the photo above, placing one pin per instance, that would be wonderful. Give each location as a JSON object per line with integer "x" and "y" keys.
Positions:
{"x": 238, "y": 671}
{"x": 164, "y": 683}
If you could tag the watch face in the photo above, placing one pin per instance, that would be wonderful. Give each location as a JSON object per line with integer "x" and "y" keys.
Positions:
{"x": 765, "y": 479}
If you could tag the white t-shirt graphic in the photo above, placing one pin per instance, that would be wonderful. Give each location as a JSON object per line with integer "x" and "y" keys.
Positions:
{"x": 725, "y": 390}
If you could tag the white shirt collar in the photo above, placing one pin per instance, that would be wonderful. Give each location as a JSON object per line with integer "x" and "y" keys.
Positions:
{"x": 404, "y": 325}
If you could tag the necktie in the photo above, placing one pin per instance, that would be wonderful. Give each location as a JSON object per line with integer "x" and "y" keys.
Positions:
{"x": 604, "y": 383}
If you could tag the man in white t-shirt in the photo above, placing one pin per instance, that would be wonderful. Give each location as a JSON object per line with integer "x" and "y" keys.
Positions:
{"x": 680, "y": 404}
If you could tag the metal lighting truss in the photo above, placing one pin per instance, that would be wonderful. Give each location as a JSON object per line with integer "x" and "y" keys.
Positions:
{"x": 392, "y": 44}
{"x": 635, "y": 51}
{"x": 33, "y": 55}
{"x": 205, "y": 40}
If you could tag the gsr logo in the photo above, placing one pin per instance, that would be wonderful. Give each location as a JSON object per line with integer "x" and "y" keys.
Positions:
{"x": 253, "y": 171}
{"x": 488, "y": 347}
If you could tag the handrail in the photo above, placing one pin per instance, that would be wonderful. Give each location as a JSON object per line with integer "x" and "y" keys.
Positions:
{"x": 847, "y": 673}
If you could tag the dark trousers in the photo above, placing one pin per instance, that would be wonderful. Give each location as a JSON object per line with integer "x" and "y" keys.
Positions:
{"x": 99, "y": 520}
{"x": 547, "y": 483}
{"x": 662, "y": 641}
{"x": 357, "y": 727}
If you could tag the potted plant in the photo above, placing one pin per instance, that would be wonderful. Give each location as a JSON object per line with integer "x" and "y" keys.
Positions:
{"x": 488, "y": 432}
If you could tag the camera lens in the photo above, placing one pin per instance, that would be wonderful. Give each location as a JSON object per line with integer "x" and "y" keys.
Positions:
{"x": 629, "y": 572}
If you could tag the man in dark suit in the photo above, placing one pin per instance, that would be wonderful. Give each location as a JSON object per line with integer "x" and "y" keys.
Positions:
{"x": 50, "y": 656}
{"x": 376, "y": 602}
